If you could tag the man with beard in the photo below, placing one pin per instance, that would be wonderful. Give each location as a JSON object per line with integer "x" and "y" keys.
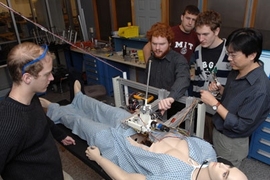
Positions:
{"x": 169, "y": 69}
{"x": 185, "y": 38}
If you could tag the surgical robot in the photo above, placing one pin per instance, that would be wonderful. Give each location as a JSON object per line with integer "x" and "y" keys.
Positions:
{"x": 145, "y": 120}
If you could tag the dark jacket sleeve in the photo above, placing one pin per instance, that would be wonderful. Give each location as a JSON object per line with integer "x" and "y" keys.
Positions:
{"x": 57, "y": 133}
{"x": 182, "y": 77}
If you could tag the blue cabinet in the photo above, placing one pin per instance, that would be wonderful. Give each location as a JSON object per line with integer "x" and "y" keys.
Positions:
{"x": 93, "y": 70}
{"x": 74, "y": 60}
{"x": 101, "y": 71}
{"x": 260, "y": 142}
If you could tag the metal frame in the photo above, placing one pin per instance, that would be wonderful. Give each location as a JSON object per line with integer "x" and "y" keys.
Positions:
{"x": 118, "y": 89}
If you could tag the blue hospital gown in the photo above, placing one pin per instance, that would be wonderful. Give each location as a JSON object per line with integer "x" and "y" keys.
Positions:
{"x": 100, "y": 125}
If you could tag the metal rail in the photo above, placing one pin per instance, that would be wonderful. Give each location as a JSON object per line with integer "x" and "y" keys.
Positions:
{"x": 118, "y": 89}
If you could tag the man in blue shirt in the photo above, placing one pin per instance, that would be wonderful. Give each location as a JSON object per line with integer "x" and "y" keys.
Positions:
{"x": 245, "y": 98}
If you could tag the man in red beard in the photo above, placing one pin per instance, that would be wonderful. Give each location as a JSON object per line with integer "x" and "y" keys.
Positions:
{"x": 169, "y": 69}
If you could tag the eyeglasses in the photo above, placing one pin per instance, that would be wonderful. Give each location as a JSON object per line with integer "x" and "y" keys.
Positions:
{"x": 231, "y": 54}
{"x": 45, "y": 47}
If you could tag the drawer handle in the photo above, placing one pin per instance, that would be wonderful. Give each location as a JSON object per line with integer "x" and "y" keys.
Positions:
{"x": 93, "y": 77}
{"x": 92, "y": 71}
{"x": 265, "y": 142}
{"x": 266, "y": 130}
{"x": 261, "y": 152}
{"x": 90, "y": 64}
{"x": 90, "y": 60}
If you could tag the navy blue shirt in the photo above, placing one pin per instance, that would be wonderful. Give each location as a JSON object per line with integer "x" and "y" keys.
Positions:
{"x": 248, "y": 101}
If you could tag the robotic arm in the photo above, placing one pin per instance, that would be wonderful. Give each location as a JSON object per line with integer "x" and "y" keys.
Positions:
{"x": 144, "y": 120}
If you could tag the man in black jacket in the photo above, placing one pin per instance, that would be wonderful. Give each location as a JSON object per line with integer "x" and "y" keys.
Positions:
{"x": 169, "y": 69}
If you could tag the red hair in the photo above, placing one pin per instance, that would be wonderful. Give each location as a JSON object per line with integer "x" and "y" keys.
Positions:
{"x": 162, "y": 30}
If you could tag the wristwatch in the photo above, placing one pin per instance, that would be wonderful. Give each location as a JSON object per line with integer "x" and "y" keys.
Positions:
{"x": 215, "y": 107}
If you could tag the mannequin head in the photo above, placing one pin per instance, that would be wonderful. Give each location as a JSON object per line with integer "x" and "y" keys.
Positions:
{"x": 220, "y": 171}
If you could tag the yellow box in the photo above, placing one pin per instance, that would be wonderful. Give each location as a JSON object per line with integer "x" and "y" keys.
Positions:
{"x": 128, "y": 32}
{"x": 140, "y": 55}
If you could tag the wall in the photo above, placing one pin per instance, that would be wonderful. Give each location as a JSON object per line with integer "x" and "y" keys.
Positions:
{"x": 21, "y": 5}
{"x": 87, "y": 6}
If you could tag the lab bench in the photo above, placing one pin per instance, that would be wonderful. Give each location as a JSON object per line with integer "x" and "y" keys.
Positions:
{"x": 260, "y": 142}
{"x": 100, "y": 68}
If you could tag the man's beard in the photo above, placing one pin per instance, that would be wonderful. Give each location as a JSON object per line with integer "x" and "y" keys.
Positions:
{"x": 162, "y": 55}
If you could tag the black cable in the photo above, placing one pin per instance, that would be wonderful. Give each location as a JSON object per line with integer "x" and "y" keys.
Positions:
{"x": 204, "y": 162}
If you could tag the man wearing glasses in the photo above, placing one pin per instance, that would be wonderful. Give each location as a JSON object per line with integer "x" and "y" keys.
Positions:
{"x": 245, "y": 98}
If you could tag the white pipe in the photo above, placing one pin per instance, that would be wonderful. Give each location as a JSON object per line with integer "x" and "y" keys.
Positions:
{"x": 84, "y": 29}
{"x": 147, "y": 85}
{"x": 80, "y": 21}
{"x": 75, "y": 37}
{"x": 51, "y": 25}
{"x": 126, "y": 89}
{"x": 201, "y": 109}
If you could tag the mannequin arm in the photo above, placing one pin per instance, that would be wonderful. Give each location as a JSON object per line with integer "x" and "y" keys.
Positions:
{"x": 114, "y": 171}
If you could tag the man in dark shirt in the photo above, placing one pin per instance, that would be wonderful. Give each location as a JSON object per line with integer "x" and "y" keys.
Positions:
{"x": 169, "y": 69}
{"x": 28, "y": 150}
{"x": 245, "y": 98}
